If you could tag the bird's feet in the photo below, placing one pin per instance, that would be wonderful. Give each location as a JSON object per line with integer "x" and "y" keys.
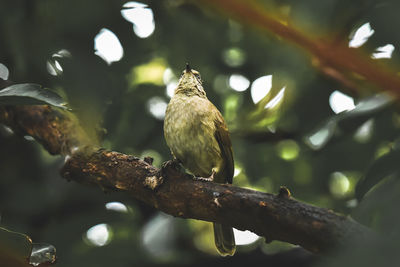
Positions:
{"x": 205, "y": 179}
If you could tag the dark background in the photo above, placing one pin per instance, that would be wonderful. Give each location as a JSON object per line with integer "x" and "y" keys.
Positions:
{"x": 119, "y": 102}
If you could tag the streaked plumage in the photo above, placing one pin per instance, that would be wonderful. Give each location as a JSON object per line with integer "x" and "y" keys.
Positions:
{"x": 198, "y": 137}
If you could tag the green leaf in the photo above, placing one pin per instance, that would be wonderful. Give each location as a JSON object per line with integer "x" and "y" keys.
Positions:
{"x": 382, "y": 168}
{"x": 14, "y": 247}
{"x": 363, "y": 111}
{"x": 17, "y": 249}
{"x": 30, "y": 94}
{"x": 379, "y": 208}
{"x": 348, "y": 121}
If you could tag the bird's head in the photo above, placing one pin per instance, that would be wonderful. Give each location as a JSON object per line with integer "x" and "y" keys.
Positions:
{"x": 190, "y": 83}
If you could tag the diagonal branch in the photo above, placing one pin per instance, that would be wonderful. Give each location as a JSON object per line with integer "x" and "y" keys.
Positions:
{"x": 275, "y": 217}
{"x": 334, "y": 58}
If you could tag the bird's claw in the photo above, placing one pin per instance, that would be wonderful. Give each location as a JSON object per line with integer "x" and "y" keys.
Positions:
{"x": 203, "y": 179}
{"x": 206, "y": 179}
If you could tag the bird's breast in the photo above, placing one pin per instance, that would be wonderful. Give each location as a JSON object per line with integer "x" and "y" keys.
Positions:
{"x": 189, "y": 131}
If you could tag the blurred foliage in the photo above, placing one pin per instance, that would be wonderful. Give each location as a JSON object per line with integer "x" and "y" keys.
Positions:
{"x": 29, "y": 94}
{"x": 15, "y": 248}
{"x": 51, "y": 43}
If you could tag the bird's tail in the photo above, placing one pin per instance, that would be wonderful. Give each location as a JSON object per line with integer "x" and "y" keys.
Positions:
{"x": 224, "y": 239}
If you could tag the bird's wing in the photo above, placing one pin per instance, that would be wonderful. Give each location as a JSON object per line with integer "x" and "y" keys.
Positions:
{"x": 225, "y": 145}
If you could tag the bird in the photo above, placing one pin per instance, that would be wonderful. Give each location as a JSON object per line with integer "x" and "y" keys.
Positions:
{"x": 198, "y": 138}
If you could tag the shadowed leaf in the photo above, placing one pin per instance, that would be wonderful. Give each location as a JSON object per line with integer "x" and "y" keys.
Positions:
{"x": 348, "y": 121}
{"x": 30, "y": 94}
{"x": 383, "y": 167}
{"x": 15, "y": 248}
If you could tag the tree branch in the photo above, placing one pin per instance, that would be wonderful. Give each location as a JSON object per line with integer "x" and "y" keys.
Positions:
{"x": 333, "y": 57}
{"x": 275, "y": 217}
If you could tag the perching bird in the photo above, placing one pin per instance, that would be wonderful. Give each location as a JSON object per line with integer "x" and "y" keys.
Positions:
{"x": 198, "y": 138}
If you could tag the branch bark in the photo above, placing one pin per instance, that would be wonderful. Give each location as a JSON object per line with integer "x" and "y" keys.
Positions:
{"x": 275, "y": 217}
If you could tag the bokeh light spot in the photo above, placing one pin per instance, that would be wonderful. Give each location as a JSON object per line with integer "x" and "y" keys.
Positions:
{"x": 260, "y": 88}
{"x": 318, "y": 139}
{"x": 238, "y": 82}
{"x": 151, "y": 72}
{"x": 168, "y": 76}
{"x": 157, "y": 107}
{"x": 107, "y": 46}
{"x": 361, "y": 35}
{"x": 234, "y": 57}
{"x": 4, "y": 72}
{"x": 99, "y": 235}
{"x": 51, "y": 69}
{"x": 244, "y": 237}
{"x": 340, "y": 102}
{"x": 237, "y": 171}
{"x": 170, "y": 89}
{"x": 288, "y": 149}
{"x": 274, "y": 102}
{"x": 54, "y": 67}
{"x": 58, "y": 66}
{"x": 116, "y": 206}
{"x": 141, "y": 16}
{"x": 171, "y": 82}
{"x": 63, "y": 53}
{"x": 364, "y": 132}
{"x": 339, "y": 184}
{"x": 383, "y": 52}
{"x": 158, "y": 235}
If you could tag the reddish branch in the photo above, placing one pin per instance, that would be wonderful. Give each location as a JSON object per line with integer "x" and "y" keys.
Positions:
{"x": 276, "y": 217}
{"x": 335, "y": 59}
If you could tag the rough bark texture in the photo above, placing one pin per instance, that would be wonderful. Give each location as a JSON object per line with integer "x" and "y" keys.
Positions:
{"x": 275, "y": 217}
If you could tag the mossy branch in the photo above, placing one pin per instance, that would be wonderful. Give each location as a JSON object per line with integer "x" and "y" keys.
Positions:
{"x": 275, "y": 217}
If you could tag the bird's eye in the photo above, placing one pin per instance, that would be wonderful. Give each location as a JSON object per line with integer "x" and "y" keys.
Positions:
{"x": 197, "y": 75}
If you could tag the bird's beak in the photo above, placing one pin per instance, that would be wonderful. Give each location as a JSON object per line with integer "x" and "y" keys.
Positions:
{"x": 188, "y": 69}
